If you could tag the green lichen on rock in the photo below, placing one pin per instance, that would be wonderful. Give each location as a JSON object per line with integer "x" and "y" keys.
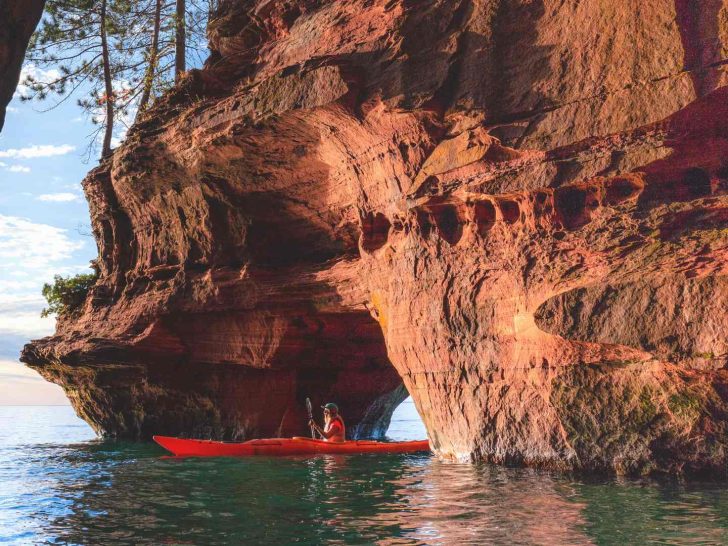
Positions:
{"x": 607, "y": 421}
{"x": 685, "y": 404}
{"x": 630, "y": 421}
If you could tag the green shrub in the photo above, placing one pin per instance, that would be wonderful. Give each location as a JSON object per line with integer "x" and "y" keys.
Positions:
{"x": 66, "y": 295}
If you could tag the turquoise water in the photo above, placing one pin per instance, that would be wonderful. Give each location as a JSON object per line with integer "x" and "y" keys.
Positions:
{"x": 58, "y": 485}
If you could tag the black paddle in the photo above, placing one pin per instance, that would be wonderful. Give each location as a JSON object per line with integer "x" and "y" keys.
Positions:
{"x": 309, "y": 408}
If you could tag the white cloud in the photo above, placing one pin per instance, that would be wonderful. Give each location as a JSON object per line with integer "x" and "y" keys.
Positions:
{"x": 12, "y": 110}
{"x": 32, "y": 245}
{"x": 20, "y": 312}
{"x": 32, "y": 253}
{"x": 36, "y": 151}
{"x": 38, "y": 74}
{"x": 59, "y": 197}
{"x": 21, "y": 302}
{"x": 19, "y": 169}
{"x": 27, "y": 324}
{"x": 17, "y": 286}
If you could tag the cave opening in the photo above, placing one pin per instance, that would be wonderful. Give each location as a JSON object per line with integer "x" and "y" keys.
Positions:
{"x": 406, "y": 423}
{"x": 391, "y": 416}
{"x": 375, "y": 230}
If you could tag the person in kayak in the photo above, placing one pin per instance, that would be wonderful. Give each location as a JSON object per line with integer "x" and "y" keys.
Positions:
{"x": 334, "y": 429}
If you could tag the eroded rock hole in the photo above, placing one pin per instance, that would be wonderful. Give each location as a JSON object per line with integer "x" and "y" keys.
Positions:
{"x": 424, "y": 222}
{"x": 621, "y": 190}
{"x": 571, "y": 204}
{"x": 374, "y": 231}
{"x": 593, "y": 199}
{"x": 511, "y": 211}
{"x": 432, "y": 185}
{"x": 449, "y": 221}
{"x": 484, "y": 216}
{"x": 625, "y": 314}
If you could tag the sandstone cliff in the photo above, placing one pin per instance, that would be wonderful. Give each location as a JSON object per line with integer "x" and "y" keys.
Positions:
{"x": 18, "y": 19}
{"x": 518, "y": 208}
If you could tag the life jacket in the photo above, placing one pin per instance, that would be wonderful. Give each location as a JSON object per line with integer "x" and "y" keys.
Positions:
{"x": 340, "y": 437}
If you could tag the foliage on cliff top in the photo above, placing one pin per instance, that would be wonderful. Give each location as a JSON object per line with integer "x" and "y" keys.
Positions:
{"x": 67, "y": 294}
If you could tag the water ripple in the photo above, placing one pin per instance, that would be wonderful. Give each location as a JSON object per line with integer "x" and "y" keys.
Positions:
{"x": 93, "y": 492}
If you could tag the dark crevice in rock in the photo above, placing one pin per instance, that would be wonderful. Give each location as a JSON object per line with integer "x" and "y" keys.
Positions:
{"x": 510, "y": 211}
{"x": 449, "y": 219}
{"x": 621, "y": 190}
{"x": 571, "y": 206}
{"x": 374, "y": 231}
{"x": 485, "y": 216}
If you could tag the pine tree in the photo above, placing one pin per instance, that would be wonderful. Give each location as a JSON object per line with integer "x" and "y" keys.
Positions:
{"x": 117, "y": 54}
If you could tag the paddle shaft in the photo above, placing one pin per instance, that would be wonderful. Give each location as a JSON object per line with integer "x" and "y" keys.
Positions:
{"x": 310, "y": 417}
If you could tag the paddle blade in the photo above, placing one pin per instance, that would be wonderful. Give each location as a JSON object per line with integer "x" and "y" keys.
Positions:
{"x": 309, "y": 408}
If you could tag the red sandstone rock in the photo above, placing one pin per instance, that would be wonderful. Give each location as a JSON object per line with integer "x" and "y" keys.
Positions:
{"x": 455, "y": 169}
{"x": 18, "y": 19}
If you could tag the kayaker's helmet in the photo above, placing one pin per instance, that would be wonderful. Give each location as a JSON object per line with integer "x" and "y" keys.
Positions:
{"x": 333, "y": 408}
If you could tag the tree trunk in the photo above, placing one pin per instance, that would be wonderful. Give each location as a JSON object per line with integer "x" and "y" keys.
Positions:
{"x": 152, "y": 66}
{"x": 106, "y": 149}
{"x": 179, "y": 57}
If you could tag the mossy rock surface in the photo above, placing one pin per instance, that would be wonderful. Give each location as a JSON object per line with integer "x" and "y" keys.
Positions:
{"x": 628, "y": 421}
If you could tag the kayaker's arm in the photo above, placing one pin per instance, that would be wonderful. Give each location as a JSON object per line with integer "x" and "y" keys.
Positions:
{"x": 324, "y": 435}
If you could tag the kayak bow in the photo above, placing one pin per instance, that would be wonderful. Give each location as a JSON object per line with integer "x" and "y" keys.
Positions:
{"x": 283, "y": 446}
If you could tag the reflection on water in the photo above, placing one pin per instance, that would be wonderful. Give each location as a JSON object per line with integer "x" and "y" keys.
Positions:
{"x": 118, "y": 493}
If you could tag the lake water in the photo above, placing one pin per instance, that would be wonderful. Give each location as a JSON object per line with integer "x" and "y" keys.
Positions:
{"x": 59, "y": 485}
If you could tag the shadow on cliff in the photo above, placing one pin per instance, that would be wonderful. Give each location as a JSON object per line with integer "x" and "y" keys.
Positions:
{"x": 700, "y": 33}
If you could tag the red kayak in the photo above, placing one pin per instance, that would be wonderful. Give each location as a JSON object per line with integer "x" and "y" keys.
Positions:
{"x": 283, "y": 446}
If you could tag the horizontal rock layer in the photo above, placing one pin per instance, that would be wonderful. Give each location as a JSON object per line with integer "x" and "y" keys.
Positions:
{"x": 519, "y": 209}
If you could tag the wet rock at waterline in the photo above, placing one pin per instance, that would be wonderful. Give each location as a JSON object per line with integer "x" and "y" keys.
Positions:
{"x": 517, "y": 209}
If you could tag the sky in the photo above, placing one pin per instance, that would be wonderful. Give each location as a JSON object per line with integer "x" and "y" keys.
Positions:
{"x": 44, "y": 230}
{"x": 44, "y": 219}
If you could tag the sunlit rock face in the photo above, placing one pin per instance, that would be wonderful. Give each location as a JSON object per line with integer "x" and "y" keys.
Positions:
{"x": 18, "y": 19}
{"x": 521, "y": 207}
